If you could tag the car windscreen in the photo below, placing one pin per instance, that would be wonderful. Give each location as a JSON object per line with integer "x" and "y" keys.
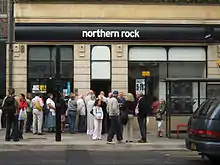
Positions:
{"x": 207, "y": 109}
{"x": 215, "y": 113}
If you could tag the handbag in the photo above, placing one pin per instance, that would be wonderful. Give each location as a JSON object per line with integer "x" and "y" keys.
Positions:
{"x": 91, "y": 112}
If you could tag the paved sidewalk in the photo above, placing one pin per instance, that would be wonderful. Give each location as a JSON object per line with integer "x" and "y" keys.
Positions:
{"x": 82, "y": 141}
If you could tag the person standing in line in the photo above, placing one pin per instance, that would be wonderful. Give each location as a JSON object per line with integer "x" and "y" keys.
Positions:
{"x": 141, "y": 112}
{"x": 72, "y": 112}
{"x": 29, "y": 114}
{"x": 121, "y": 101}
{"x": 129, "y": 108}
{"x": 115, "y": 127}
{"x": 103, "y": 106}
{"x": 10, "y": 106}
{"x": 82, "y": 114}
{"x": 51, "y": 120}
{"x": 102, "y": 93}
{"x": 98, "y": 117}
{"x": 90, "y": 117}
{"x": 23, "y": 105}
{"x": 159, "y": 114}
{"x": 88, "y": 97}
{"x": 37, "y": 106}
{"x": 63, "y": 111}
{"x": 107, "y": 109}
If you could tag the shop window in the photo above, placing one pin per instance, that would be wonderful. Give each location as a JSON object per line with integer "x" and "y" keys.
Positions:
{"x": 39, "y": 53}
{"x": 67, "y": 69}
{"x": 213, "y": 90}
{"x": 101, "y": 70}
{"x": 154, "y": 86}
{"x": 100, "y": 63}
{"x": 147, "y": 54}
{"x": 66, "y": 62}
{"x": 187, "y": 54}
{"x": 185, "y": 97}
{"x": 39, "y": 69}
{"x": 48, "y": 64}
{"x": 100, "y": 53}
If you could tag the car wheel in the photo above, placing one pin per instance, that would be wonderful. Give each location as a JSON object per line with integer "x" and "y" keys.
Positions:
{"x": 214, "y": 158}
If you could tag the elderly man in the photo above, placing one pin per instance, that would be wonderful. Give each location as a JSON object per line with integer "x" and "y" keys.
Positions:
{"x": 115, "y": 127}
{"x": 141, "y": 111}
{"x": 88, "y": 97}
{"x": 81, "y": 106}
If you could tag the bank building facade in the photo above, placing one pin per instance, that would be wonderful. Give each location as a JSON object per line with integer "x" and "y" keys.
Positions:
{"x": 82, "y": 45}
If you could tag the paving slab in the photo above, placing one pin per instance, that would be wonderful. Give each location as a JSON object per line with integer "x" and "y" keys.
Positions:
{"x": 83, "y": 141}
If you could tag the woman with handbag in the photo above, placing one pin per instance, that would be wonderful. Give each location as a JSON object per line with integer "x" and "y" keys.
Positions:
{"x": 98, "y": 117}
{"x": 128, "y": 110}
{"x": 159, "y": 108}
{"x": 23, "y": 105}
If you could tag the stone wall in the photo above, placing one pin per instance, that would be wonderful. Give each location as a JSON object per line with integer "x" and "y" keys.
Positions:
{"x": 120, "y": 68}
{"x": 82, "y": 68}
{"x": 186, "y": 14}
{"x": 213, "y": 56}
{"x": 19, "y": 71}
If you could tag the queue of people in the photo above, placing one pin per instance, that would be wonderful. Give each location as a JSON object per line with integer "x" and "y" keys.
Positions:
{"x": 112, "y": 115}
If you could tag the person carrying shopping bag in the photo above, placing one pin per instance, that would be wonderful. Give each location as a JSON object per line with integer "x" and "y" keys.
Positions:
{"x": 23, "y": 105}
{"x": 160, "y": 113}
{"x": 98, "y": 117}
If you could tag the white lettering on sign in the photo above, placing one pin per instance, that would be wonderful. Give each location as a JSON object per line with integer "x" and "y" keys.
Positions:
{"x": 100, "y": 33}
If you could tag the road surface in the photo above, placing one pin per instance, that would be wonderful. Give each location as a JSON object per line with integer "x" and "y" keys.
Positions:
{"x": 76, "y": 157}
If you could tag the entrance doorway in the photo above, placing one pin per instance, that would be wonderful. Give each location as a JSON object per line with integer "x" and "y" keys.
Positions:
{"x": 136, "y": 82}
{"x": 101, "y": 85}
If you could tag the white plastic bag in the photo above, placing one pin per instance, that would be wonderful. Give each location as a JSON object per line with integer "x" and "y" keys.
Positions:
{"x": 22, "y": 115}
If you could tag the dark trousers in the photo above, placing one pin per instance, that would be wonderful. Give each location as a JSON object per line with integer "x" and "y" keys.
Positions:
{"x": 21, "y": 129}
{"x": 115, "y": 128}
{"x": 108, "y": 123}
{"x": 104, "y": 124}
{"x": 142, "y": 126}
{"x": 29, "y": 121}
{"x": 11, "y": 127}
{"x": 82, "y": 124}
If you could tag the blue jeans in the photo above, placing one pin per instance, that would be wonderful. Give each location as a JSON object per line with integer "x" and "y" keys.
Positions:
{"x": 142, "y": 127}
{"x": 72, "y": 120}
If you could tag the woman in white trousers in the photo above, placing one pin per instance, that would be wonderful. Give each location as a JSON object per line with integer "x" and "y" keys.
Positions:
{"x": 160, "y": 117}
{"x": 98, "y": 117}
{"x": 90, "y": 117}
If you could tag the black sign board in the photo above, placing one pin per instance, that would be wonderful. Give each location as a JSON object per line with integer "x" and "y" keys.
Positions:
{"x": 83, "y": 32}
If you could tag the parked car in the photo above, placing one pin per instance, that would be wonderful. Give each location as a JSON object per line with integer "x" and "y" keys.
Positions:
{"x": 203, "y": 132}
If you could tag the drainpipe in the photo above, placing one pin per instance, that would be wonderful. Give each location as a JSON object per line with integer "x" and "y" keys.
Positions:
{"x": 11, "y": 38}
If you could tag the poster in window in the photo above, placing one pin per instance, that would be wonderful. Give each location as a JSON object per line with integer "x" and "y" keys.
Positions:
{"x": 42, "y": 88}
{"x": 35, "y": 88}
{"x": 140, "y": 85}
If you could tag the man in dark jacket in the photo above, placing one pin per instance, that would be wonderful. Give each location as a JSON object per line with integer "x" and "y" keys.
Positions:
{"x": 10, "y": 106}
{"x": 141, "y": 111}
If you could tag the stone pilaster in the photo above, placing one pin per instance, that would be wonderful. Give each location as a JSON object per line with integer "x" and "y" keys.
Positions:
{"x": 120, "y": 68}
{"x": 213, "y": 55}
{"x": 82, "y": 68}
{"x": 19, "y": 71}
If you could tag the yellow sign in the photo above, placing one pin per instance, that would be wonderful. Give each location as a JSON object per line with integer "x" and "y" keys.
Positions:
{"x": 43, "y": 88}
{"x": 146, "y": 73}
{"x": 218, "y": 62}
